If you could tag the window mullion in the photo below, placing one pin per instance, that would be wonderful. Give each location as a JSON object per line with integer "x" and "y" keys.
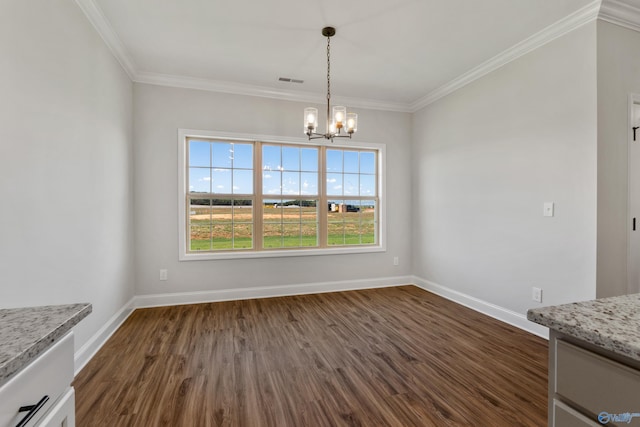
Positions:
{"x": 323, "y": 200}
{"x": 258, "y": 200}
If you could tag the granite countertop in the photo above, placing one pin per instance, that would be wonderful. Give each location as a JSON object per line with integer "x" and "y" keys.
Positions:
{"x": 610, "y": 323}
{"x": 25, "y": 333}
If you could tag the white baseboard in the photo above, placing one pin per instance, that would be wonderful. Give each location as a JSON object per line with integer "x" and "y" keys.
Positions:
{"x": 156, "y": 300}
{"x": 505, "y": 315}
{"x": 95, "y": 343}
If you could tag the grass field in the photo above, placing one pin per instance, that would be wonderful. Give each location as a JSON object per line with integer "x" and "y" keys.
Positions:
{"x": 226, "y": 227}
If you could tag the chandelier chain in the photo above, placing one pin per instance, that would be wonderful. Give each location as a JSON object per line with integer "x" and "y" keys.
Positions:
{"x": 328, "y": 68}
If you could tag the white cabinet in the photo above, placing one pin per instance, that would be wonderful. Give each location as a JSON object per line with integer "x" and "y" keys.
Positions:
{"x": 41, "y": 395}
{"x": 590, "y": 386}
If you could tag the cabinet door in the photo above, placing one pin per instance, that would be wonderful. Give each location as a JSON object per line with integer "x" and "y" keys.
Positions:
{"x": 564, "y": 416}
{"x": 594, "y": 382}
{"x": 63, "y": 414}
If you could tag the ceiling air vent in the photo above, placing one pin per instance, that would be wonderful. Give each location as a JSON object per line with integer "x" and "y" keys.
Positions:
{"x": 290, "y": 80}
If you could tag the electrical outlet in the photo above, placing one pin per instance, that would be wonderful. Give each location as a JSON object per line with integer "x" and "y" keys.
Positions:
{"x": 396, "y": 260}
{"x": 163, "y": 274}
{"x": 536, "y": 294}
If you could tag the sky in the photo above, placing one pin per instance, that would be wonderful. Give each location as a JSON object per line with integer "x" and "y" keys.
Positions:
{"x": 287, "y": 171}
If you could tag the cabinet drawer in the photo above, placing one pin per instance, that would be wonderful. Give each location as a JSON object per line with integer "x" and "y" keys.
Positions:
{"x": 564, "y": 416}
{"x": 594, "y": 382}
{"x": 63, "y": 414}
{"x": 49, "y": 375}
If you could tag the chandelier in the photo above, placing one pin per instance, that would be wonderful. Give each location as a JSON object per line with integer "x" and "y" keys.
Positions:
{"x": 340, "y": 124}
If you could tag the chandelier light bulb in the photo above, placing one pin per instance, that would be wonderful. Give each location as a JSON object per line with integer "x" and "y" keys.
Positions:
{"x": 352, "y": 123}
{"x": 310, "y": 119}
{"x": 339, "y": 114}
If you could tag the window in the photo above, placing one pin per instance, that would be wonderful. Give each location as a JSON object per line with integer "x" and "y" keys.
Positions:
{"x": 248, "y": 197}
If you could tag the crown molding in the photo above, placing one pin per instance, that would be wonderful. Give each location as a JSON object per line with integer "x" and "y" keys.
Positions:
{"x": 105, "y": 30}
{"x": 261, "y": 91}
{"x": 618, "y": 12}
{"x": 621, "y": 13}
{"x": 550, "y": 33}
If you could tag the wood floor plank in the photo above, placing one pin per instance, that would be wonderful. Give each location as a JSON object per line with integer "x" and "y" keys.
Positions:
{"x": 384, "y": 357}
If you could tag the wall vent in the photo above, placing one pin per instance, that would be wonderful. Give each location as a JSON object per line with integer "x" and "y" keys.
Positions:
{"x": 290, "y": 80}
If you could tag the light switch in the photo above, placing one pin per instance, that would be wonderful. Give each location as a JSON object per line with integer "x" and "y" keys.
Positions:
{"x": 548, "y": 209}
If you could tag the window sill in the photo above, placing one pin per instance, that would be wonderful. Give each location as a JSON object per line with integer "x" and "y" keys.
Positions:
{"x": 285, "y": 253}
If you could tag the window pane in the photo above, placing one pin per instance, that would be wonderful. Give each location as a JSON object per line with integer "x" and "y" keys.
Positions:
{"x": 367, "y": 185}
{"x": 200, "y": 225}
{"x": 368, "y": 233}
{"x": 290, "y": 183}
{"x": 242, "y": 236}
{"x": 242, "y": 181}
{"x": 200, "y": 237}
{"x": 367, "y": 162}
{"x": 352, "y": 222}
{"x": 291, "y": 212}
{"x": 291, "y": 158}
{"x": 221, "y": 181}
{"x": 242, "y": 211}
{"x": 222, "y": 154}
{"x": 334, "y": 160}
{"x": 222, "y": 230}
{"x": 309, "y": 211}
{"x": 272, "y": 213}
{"x": 335, "y": 233}
{"x": 222, "y": 236}
{"x": 271, "y": 181}
{"x": 232, "y": 224}
{"x": 271, "y": 158}
{"x": 310, "y": 159}
{"x": 309, "y": 234}
{"x": 351, "y": 162}
{"x": 199, "y": 180}
{"x": 309, "y": 183}
{"x": 272, "y": 236}
{"x": 242, "y": 156}
{"x": 242, "y": 224}
{"x": 334, "y": 184}
{"x": 351, "y": 185}
{"x": 199, "y": 153}
{"x": 290, "y": 223}
{"x": 291, "y": 235}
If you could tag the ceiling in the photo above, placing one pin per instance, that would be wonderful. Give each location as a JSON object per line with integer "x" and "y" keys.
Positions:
{"x": 393, "y": 54}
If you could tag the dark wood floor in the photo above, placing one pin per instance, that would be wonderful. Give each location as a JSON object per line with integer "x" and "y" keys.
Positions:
{"x": 385, "y": 357}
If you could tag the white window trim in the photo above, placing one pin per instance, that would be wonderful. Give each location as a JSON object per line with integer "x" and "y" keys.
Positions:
{"x": 183, "y": 255}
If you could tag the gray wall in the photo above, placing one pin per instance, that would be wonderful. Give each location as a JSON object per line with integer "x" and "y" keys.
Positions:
{"x": 158, "y": 114}
{"x": 65, "y": 164}
{"x": 486, "y": 158}
{"x": 618, "y": 75}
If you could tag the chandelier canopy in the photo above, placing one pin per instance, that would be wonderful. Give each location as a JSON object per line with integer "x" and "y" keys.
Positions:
{"x": 340, "y": 124}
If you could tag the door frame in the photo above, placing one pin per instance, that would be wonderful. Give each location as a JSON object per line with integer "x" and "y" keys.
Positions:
{"x": 633, "y": 269}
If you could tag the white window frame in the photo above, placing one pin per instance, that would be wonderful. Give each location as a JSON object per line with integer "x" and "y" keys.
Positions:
{"x": 184, "y": 255}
